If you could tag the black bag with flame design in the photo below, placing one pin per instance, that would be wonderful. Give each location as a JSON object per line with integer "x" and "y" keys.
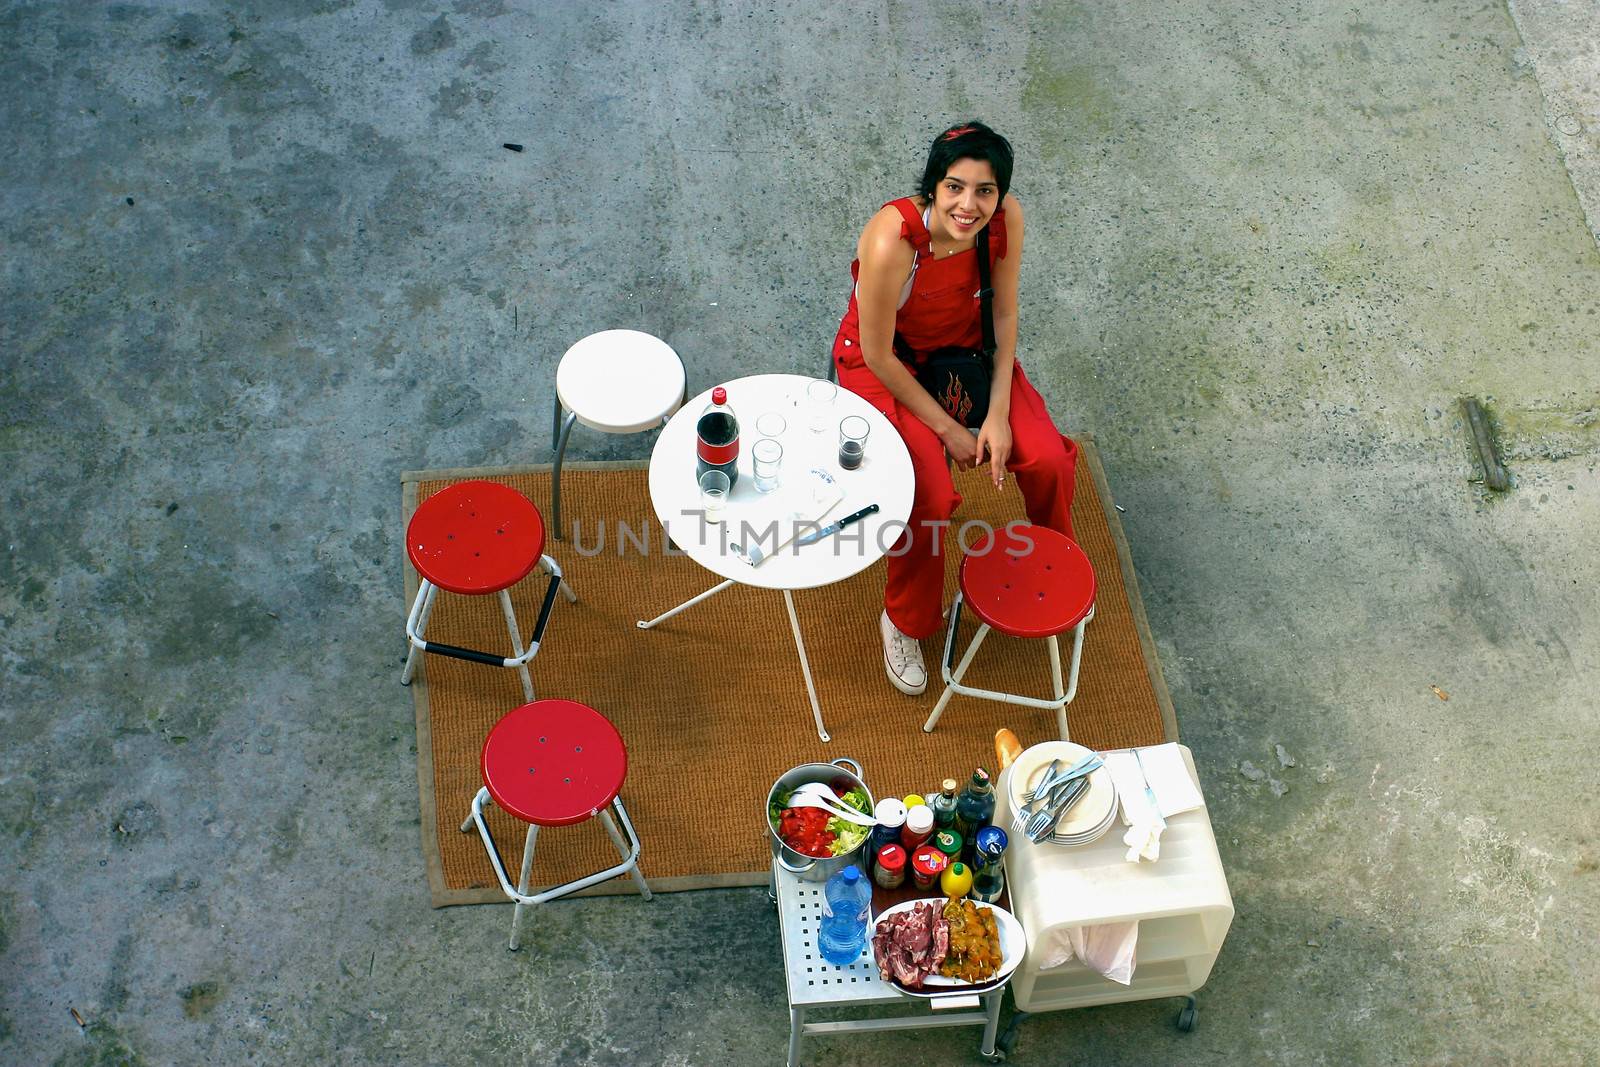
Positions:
{"x": 958, "y": 378}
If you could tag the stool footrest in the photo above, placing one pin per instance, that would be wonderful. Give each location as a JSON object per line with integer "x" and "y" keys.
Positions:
{"x": 438, "y": 648}
{"x": 545, "y": 608}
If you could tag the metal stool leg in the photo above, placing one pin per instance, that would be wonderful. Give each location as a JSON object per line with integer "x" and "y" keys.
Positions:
{"x": 516, "y": 644}
{"x": 1058, "y": 690}
{"x": 427, "y": 591}
{"x": 955, "y": 680}
{"x": 555, "y": 474}
{"x": 552, "y": 568}
{"x": 522, "y": 885}
{"x": 622, "y": 847}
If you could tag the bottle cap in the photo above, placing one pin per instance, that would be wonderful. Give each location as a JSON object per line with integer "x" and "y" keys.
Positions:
{"x": 913, "y": 799}
{"x": 949, "y": 785}
{"x": 851, "y": 874}
{"x": 990, "y": 840}
{"x": 719, "y": 395}
{"x": 892, "y": 856}
{"x": 890, "y": 812}
{"x": 919, "y": 819}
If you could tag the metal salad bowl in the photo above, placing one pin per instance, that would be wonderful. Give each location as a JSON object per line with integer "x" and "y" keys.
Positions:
{"x": 816, "y": 868}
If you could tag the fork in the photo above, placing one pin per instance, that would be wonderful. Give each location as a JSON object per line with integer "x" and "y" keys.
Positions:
{"x": 1042, "y": 824}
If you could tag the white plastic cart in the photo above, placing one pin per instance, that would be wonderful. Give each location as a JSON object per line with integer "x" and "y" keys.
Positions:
{"x": 1181, "y": 902}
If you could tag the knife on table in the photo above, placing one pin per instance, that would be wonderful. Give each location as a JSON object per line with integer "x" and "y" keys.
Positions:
{"x": 834, "y": 527}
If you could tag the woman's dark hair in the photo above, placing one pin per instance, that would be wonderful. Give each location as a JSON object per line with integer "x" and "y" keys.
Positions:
{"x": 967, "y": 140}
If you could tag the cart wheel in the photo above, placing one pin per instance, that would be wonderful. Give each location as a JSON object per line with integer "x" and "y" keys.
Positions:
{"x": 772, "y": 899}
{"x": 997, "y": 1056}
{"x": 1187, "y": 1016}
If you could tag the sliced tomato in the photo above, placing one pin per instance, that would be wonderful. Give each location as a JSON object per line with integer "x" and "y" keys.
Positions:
{"x": 806, "y": 831}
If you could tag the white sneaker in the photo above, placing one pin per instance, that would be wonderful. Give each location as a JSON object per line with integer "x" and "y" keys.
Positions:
{"x": 902, "y": 659}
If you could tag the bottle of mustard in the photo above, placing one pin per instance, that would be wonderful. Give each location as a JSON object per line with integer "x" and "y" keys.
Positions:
{"x": 956, "y": 880}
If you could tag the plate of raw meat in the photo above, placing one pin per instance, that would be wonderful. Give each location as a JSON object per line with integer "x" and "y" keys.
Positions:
{"x": 939, "y": 946}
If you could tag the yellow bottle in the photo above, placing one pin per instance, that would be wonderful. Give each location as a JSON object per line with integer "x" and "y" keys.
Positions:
{"x": 956, "y": 880}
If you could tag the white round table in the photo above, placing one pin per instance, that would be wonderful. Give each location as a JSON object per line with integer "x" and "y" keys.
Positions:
{"x": 772, "y": 520}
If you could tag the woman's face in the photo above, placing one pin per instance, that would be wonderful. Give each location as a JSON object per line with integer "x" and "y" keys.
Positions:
{"x": 965, "y": 199}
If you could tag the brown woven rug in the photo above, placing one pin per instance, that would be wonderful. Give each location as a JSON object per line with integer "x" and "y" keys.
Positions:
{"x": 712, "y": 703}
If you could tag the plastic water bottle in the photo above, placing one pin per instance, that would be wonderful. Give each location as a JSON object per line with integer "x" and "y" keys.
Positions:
{"x": 845, "y": 902}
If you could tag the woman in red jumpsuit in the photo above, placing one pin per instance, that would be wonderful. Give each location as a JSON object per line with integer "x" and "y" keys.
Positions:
{"x": 916, "y": 275}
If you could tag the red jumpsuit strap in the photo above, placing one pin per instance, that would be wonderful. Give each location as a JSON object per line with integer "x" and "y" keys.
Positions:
{"x": 913, "y": 229}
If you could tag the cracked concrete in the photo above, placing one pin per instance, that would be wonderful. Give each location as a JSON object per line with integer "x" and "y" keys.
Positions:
{"x": 260, "y": 259}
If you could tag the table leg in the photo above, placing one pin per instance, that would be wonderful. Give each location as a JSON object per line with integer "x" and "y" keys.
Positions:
{"x": 991, "y": 1008}
{"x": 797, "y": 1022}
{"x": 805, "y": 665}
{"x": 685, "y": 606}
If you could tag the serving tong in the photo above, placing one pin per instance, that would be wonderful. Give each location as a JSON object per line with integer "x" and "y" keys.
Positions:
{"x": 818, "y": 795}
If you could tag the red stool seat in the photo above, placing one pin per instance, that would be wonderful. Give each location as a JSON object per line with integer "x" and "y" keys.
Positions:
{"x": 475, "y": 538}
{"x": 1024, "y": 591}
{"x": 554, "y": 762}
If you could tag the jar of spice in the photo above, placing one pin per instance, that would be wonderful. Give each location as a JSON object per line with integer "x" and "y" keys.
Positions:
{"x": 927, "y": 864}
{"x": 890, "y": 870}
{"x": 948, "y": 842}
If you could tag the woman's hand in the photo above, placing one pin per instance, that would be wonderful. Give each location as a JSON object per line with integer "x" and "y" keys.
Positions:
{"x": 995, "y": 440}
{"x": 957, "y": 440}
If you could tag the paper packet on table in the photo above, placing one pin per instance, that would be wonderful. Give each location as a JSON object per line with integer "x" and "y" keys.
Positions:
{"x": 1107, "y": 949}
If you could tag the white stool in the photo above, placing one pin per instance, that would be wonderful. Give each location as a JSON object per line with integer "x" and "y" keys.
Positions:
{"x": 616, "y": 381}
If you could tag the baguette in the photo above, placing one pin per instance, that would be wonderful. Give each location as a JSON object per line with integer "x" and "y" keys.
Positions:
{"x": 1006, "y": 747}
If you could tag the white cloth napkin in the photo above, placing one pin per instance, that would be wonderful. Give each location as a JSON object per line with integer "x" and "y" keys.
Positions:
{"x": 1167, "y": 775}
{"x": 1108, "y": 949}
{"x": 1169, "y": 779}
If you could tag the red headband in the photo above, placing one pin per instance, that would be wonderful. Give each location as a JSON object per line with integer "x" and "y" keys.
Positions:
{"x": 961, "y": 132}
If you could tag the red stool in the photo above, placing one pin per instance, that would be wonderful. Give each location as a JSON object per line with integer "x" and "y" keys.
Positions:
{"x": 477, "y": 538}
{"x": 554, "y": 763}
{"x": 1025, "y": 581}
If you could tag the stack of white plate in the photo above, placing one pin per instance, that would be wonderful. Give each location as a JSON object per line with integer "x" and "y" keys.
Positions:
{"x": 1088, "y": 819}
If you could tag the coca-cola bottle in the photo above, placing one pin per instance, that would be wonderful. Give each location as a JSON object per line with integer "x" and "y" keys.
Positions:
{"x": 717, "y": 446}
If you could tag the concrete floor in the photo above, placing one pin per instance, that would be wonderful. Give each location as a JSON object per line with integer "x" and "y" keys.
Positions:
{"x": 261, "y": 258}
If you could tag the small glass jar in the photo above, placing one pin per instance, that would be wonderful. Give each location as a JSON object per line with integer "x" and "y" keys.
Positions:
{"x": 889, "y": 870}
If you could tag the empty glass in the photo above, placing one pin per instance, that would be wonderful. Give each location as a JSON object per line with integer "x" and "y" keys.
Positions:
{"x": 714, "y": 486}
{"x": 853, "y": 430}
{"x": 766, "y": 457}
{"x": 819, "y": 398}
{"x": 771, "y": 424}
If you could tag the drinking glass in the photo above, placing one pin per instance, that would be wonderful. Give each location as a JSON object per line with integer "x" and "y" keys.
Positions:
{"x": 853, "y": 430}
{"x": 819, "y": 397}
{"x": 766, "y": 457}
{"x": 771, "y": 424}
{"x": 714, "y": 486}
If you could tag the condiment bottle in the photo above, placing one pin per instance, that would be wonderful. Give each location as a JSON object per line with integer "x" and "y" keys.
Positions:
{"x": 944, "y": 805}
{"x": 975, "y": 806}
{"x": 891, "y": 816}
{"x": 989, "y": 878}
{"x": 918, "y": 827}
{"x": 948, "y": 842}
{"x": 890, "y": 869}
{"x": 956, "y": 880}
